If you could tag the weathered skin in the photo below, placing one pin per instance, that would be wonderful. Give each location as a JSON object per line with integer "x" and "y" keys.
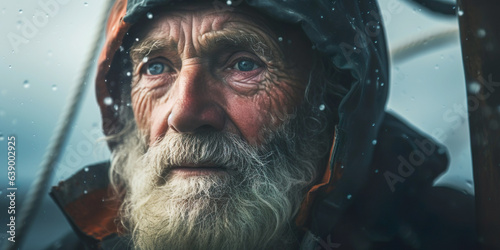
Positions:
{"x": 202, "y": 85}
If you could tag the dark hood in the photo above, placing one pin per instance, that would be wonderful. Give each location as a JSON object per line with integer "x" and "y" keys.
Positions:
{"x": 349, "y": 32}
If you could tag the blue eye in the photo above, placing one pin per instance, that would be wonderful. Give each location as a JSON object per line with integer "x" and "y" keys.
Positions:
{"x": 245, "y": 65}
{"x": 156, "y": 68}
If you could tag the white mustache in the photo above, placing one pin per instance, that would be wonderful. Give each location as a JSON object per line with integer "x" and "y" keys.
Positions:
{"x": 208, "y": 148}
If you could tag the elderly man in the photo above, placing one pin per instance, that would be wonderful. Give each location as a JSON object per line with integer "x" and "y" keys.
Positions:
{"x": 248, "y": 126}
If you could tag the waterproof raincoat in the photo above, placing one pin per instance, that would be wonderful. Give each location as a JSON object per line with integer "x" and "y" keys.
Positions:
{"x": 377, "y": 191}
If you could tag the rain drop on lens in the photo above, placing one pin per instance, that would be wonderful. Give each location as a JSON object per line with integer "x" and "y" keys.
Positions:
{"x": 149, "y": 15}
{"x": 280, "y": 39}
{"x": 460, "y": 12}
{"x": 108, "y": 101}
{"x": 436, "y": 66}
{"x": 54, "y": 87}
{"x": 349, "y": 196}
{"x": 129, "y": 74}
{"x": 26, "y": 84}
{"x": 374, "y": 142}
{"x": 474, "y": 87}
{"x": 145, "y": 59}
{"x": 481, "y": 33}
{"x": 229, "y": 2}
{"x": 322, "y": 107}
{"x": 85, "y": 4}
{"x": 86, "y": 169}
{"x": 20, "y": 11}
{"x": 1, "y": 137}
{"x": 85, "y": 191}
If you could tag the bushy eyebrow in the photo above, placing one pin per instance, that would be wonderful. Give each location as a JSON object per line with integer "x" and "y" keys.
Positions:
{"x": 240, "y": 39}
{"x": 151, "y": 46}
{"x": 210, "y": 42}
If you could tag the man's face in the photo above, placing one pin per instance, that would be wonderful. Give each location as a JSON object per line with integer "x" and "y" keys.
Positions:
{"x": 198, "y": 68}
{"x": 220, "y": 159}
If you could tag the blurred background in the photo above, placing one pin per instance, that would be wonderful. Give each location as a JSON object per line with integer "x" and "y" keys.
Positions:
{"x": 43, "y": 49}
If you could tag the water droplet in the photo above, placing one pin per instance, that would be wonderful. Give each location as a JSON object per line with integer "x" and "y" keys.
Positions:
{"x": 381, "y": 84}
{"x": 26, "y": 84}
{"x": 322, "y": 107}
{"x": 280, "y": 39}
{"x": 470, "y": 183}
{"x": 376, "y": 70}
{"x": 474, "y": 87}
{"x": 374, "y": 142}
{"x": 54, "y": 87}
{"x": 460, "y": 12}
{"x": 20, "y": 11}
{"x": 321, "y": 17}
{"x": 129, "y": 74}
{"x": 10, "y": 66}
{"x": 149, "y": 15}
{"x": 436, "y": 67}
{"x": 229, "y": 2}
{"x": 122, "y": 48}
{"x": 349, "y": 196}
{"x": 108, "y": 101}
{"x": 342, "y": 166}
{"x": 333, "y": 8}
{"x": 85, "y": 4}
{"x": 137, "y": 39}
{"x": 85, "y": 191}
{"x": 86, "y": 169}
{"x": 145, "y": 59}
{"x": 1, "y": 137}
{"x": 376, "y": 171}
{"x": 373, "y": 124}
{"x": 115, "y": 107}
{"x": 481, "y": 33}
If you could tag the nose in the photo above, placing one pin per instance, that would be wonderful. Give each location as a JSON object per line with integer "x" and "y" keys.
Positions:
{"x": 197, "y": 102}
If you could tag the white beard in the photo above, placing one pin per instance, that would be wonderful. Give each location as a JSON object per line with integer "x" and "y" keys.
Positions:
{"x": 251, "y": 206}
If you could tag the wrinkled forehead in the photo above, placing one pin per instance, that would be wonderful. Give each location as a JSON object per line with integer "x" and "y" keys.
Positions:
{"x": 213, "y": 17}
{"x": 208, "y": 17}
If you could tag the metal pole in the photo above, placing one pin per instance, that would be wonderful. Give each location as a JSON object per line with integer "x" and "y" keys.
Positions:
{"x": 480, "y": 38}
